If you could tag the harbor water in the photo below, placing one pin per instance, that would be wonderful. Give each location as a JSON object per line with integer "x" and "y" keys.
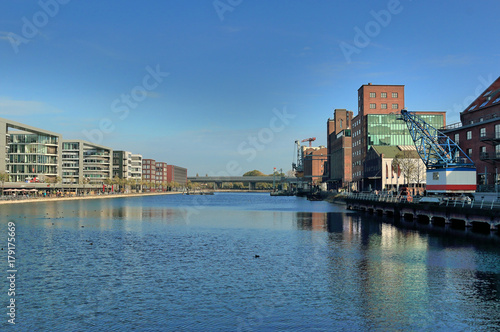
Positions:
{"x": 241, "y": 262}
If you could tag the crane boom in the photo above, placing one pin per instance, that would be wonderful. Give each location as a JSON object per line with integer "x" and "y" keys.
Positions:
{"x": 310, "y": 140}
{"x": 435, "y": 148}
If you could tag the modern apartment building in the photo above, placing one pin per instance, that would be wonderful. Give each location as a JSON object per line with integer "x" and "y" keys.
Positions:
{"x": 161, "y": 173}
{"x": 149, "y": 170}
{"x": 127, "y": 165}
{"x": 29, "y": 153}
{"x": 478, "y": 134}
{"x": 86, "y": 162}
{"x": 136, "y": 167}
{"x": 339, "y": 148}
{"x": 122, "y": 164}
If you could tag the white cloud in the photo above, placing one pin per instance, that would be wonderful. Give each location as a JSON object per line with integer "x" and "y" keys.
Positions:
{"x": 451, "y": 60}
{"x": 4, "y": 35}
{"x": 25, "y": 107}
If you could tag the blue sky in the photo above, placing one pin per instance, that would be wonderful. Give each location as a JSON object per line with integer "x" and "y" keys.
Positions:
{"x": 227, "y": 86}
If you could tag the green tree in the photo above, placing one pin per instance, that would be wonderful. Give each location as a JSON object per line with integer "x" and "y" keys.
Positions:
{"x": 4, "y": 177}
{"x": 238, "y": 185}
{"x": 117, "y": 182}
{"x": 108, "y": 181}
{"x": 84, "y": 182}
{"x": 263, "y": 185}
{"x": 254, "y": 173}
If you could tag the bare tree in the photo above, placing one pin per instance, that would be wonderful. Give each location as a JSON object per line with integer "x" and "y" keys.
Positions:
{"x": 410, "y": 166}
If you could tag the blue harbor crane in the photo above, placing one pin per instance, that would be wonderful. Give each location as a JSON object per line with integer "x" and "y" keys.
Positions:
{"x": 449, "y": 169}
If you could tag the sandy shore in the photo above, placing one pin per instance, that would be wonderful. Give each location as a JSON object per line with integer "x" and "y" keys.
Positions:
{"x": 52, "y": 199}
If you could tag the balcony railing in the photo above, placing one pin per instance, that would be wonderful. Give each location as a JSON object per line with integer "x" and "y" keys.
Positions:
{"x": 489, "y": 156}
{"x": 492, "y": 139}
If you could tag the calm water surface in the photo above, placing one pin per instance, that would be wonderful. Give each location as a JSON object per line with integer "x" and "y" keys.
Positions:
{"x": 188, "y": 263}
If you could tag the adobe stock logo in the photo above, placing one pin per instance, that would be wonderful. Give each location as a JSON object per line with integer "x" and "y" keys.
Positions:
{"x": 223, "y": 6}
{"x": 372, "y": 29}
{"x": 31, "y": 28}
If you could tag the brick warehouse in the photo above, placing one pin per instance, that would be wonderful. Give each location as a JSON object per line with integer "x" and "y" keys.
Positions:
{"x": 339, "y": 145}
{"x": 478, "y": 134}
{"x": 315, "y": 160}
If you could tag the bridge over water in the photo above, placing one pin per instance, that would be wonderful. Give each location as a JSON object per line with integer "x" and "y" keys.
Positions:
{"x": 252, "y": 180}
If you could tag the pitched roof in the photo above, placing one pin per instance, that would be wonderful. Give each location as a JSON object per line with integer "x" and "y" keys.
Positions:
{"x": 390, "y": 151}
{"x": 489, "y": 97}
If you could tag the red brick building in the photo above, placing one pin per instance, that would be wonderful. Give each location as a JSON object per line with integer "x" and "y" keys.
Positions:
{"x": 161, "y": 173}
{"x": 478, "y": 134}
{"x": 315, "y": 164}
{"x": 372, "y": 99}
{"x": 177, "y": 174}
{"x": 339, "y": 146}
{"x": 149, "y": 170}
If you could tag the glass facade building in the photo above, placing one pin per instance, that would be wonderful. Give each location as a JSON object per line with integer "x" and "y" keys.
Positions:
{"x": 32, "y": 155}
{"x": 387, "y": 129}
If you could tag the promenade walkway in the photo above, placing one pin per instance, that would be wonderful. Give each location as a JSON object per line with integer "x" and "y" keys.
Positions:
{"x": 25, "y": 199}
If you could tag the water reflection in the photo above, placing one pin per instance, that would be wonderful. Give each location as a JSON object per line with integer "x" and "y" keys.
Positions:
{"x": 338, "y": 270}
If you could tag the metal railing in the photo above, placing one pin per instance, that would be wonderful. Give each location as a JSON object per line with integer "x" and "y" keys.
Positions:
{"x": 463, "y": 203}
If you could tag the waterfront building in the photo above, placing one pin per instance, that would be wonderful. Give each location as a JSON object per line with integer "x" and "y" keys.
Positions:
{"x": 149, "y": 172}
{"x": 177, "y": 174}
{"x": 161, "y": 176}
{"x": 383, "y": 174}
{"x": 372, "y": 99}
{"x": 339, "y": 150}
{"x": 127, "y": 165}
{"x": 86, "y": 163}
{"x": 136, "y": 167}
{"x": 378, "y": 123}
{"x": 29, "y": 153}
{"x": 122, "y": 164}
{"x": 315, "y": 159}
{"x": 478, "y": 135}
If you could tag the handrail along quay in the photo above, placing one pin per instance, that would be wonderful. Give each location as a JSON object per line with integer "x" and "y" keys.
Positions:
{"x": 479, "y": 215}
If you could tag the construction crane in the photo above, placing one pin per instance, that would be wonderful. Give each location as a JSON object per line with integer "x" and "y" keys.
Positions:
{"x": 310, "y": 140}
{"x": 449, "y": 169}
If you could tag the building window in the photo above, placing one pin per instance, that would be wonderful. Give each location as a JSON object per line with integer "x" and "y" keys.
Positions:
{"x": 483, "y": 149}
{"x": 394, "y": 95}
{"x": 457, "y": 138}
{"x": 372, "y": 106}
{"x": 497, "y": 131}
{"x": 383, "y": 106}
{"x": 383, "y": 94}
{"x": 395, "y": 106}
{"x": 486, "y": 102}
{"x": 497, "y": 150}
{"x": 470, "y": 109}
{"x": 482, "y": 132}
{"x": 372, "y": 95}
{"x": 469, "y": 152}
{"x": 469, "y": 135}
